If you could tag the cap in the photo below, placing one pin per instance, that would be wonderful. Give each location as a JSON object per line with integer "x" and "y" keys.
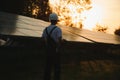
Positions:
{"x": 53, "y": 16}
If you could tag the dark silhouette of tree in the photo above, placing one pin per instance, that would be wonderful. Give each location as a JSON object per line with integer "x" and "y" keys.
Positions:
{"x": 13, "y": 6}
{"x": 117, "y": 32}
{"x": 31, "y": 8}
{"x": 37, "y": 9}
{"x": 101, "y": 28}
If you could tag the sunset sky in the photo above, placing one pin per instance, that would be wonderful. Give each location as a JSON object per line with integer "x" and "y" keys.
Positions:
{"x": 103, "y": 12}
{"x": 110, "y": 10}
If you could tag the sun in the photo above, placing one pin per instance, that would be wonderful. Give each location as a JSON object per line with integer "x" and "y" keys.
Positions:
{"x": 93, "y": 16}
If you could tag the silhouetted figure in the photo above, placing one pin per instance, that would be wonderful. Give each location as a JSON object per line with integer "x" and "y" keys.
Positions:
{"x": 52, "y": 36}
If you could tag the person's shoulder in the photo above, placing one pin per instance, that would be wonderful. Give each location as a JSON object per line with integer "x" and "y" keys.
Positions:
{"x": 44, "y": 29}
{"x": 58, "y": 28}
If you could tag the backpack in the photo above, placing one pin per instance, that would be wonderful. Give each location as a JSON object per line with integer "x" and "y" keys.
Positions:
{"x": 50, "y": 41}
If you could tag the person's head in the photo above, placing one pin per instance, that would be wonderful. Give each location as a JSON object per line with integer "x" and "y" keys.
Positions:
{"x": 53, "y": 18}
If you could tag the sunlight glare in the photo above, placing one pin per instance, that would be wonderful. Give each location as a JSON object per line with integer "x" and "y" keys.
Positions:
{"x": 93, "y": 17}
{"x": 77, "y": 13}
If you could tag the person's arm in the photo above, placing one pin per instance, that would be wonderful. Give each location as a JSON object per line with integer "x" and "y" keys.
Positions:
{"x": 44, "y": 41}
{"x": 59, "y": 41}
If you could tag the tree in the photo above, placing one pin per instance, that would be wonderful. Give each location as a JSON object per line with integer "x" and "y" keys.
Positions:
{"x": 117, "y": 32}
{"x": 100, "y": 28}
{"x": 13, "y": 6}
{"x": 37, "y": 9}
{"x": 31, "y": 8}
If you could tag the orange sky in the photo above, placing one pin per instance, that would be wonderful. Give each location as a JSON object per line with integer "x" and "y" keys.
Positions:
{"x": 110, "y": 12}
{"x": 103, "y": 12}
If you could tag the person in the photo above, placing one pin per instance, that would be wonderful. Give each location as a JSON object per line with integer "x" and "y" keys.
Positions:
{"x": 53, "y": 37}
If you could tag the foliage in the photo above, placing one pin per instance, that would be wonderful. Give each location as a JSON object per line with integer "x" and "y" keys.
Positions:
{"x": 100, "y": 28}
{"x": 37, "y": 9}
{"x": 31, "y": 8}
{"x": 12, "y": 6}
{"x": 117, "y": 32}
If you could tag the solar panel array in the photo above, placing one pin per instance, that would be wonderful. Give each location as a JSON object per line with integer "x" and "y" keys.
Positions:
{"x": 13, "y": 24}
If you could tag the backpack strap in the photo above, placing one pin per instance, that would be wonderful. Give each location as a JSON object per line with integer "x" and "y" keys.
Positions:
{"x": 49, "y": 34}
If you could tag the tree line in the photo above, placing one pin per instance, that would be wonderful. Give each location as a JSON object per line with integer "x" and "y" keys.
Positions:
{"x": 31, "y": 8}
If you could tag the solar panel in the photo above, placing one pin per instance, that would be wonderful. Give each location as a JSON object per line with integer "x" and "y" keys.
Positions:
{"x": 13, "y": 24}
